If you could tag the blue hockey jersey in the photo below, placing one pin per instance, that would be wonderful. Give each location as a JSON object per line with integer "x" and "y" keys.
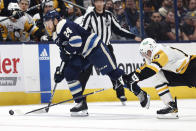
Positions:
{"x": 74, "y": 39}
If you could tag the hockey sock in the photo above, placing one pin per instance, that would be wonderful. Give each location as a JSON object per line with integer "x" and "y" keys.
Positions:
{"x": 164, "y": 93}
{"x": 76, "y": 89}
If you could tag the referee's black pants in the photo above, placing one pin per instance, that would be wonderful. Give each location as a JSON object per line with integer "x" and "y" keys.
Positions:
{"x": 84, "y": 76}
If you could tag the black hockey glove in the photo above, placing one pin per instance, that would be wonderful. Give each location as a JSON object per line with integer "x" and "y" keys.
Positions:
{"x": 18, "y": 14}
{"x": 131, "y": 81}
{"x": 65, "y": 56}
{"x": 58, "y": 76}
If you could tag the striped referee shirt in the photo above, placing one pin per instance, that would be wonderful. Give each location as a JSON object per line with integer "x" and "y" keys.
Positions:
{"x": 103, "y": 24}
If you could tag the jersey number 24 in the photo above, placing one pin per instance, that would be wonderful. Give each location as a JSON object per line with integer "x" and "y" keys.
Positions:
{"x": 67, "y": 32}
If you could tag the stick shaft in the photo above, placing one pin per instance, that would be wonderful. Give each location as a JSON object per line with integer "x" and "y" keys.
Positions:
{"x": 65, "y": 101}
{"x": 61, "y": 69}
{"x": 69, "y": 2}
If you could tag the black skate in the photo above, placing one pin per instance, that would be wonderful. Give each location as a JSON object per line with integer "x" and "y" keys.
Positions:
{"x": 170, "y": 112}
{"x": 123, "y": 100}
{"x": 144, "y": 99}
{"x": 120, "y": 92}
{"x": 80, "y": 109}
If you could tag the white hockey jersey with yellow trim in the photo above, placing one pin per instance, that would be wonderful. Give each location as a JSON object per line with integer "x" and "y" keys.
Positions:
{"x": 169, "y": 58}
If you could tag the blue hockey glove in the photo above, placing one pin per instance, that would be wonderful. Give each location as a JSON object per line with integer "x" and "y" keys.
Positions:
{"x": 58, "y": 76}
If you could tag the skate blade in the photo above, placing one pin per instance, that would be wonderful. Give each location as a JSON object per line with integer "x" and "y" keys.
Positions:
{"x": 148, "y": 103}
{"x": 83, "y": 113}
{"x": 123, "y": 103}
{"x": 168, "y": 116}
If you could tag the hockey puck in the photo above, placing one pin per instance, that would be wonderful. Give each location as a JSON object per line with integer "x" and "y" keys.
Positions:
{"x": 11, "y": 112}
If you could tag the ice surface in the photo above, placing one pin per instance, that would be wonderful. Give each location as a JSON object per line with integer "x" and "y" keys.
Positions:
{"x": 108, "y": 116}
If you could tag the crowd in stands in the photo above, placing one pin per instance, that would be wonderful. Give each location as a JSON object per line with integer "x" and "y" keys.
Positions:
{"x": 159, "y": 18}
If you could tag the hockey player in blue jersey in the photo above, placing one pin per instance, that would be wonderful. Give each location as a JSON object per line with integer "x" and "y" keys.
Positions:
{"x": 80, "y": 48}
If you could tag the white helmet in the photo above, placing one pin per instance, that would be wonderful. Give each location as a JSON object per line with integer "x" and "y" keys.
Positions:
{"x": 13, "y": 6}
{"x": 146, "y": 45}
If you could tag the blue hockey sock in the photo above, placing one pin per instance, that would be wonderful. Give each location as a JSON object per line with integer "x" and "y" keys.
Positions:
{"x": 76, "y": 89}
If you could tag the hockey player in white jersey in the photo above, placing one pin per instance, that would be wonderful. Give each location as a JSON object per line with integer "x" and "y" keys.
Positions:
{"x": 171, "y": 67}
{"x": 19, "y": 27}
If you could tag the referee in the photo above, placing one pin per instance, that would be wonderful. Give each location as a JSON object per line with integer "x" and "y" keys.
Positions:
{"x": 103, "y": 23}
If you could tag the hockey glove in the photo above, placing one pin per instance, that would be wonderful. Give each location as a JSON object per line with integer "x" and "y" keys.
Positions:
{"x": 131, "y": 81}
{"x": 46, "y": 38}
{"x": 18, "y": 14}
{"x": 58, "y": 76}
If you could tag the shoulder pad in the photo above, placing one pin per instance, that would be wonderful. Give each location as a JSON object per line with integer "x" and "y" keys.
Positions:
{"x": 60, "y": 25}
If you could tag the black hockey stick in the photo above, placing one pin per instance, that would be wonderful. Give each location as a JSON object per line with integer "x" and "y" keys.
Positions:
{"x": 43, "y": 108}
{"x": 69, "y": 2}
{"x": 29, "y": 9}
{"x": 60, "y": 71}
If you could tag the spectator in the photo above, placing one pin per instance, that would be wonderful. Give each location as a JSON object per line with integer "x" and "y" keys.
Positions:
{"x": 148, "y": 9}
{"x": 167, "y": 29}
{"x": 157, "y": 4}
{"x": 119, "y": 13}
{"x": 131, "y": 13}
{"x": 181, "y": 10}
{"x": 109, "y": 5}
{"x": 153, "y": 29}
{"x": 118, "y": 10}
{"x": 192, "y": 5}
{"x": 87, "y": 3}
{"x": 166, "y": 5}
{"x": 136, "y": 29}
{"x": 189, "y": 27}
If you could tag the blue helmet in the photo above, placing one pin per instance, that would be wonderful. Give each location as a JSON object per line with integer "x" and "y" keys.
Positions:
{"x": 52, "y": 15}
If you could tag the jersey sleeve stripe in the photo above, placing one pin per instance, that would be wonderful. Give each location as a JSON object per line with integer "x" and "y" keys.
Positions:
{"x": 75, "y": 41}
{"x": 91, "y": 42}
{"x": 153, "y": 67}
{"x": 157, "y": 64}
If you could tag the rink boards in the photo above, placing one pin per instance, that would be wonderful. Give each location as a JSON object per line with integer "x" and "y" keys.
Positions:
{"x": 28, "y": 68}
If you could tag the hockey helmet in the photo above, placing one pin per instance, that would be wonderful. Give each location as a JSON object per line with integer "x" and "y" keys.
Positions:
{"x": 13, "y": 6}
{"x": 146, "y": 45}
{"x": 51, "y": 15}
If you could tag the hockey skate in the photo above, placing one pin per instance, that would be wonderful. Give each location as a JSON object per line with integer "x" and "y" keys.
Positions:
{"x": 123, "y": 100}
{"x": 170, "y": 112}
{"x": 120, "y": 92}
{"x": 80, "y": 109}
{"x": 144, "y": 99}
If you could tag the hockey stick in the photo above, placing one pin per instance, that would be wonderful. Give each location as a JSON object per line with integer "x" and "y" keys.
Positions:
{"x": 69, "y": 2}
{"x": 41, "y": 109}
{"x": 29, "y": 9}
{"x": 60, "y": 71}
